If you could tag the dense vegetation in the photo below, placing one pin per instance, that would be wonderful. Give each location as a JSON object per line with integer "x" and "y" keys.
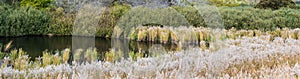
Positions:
{"x": 40, "y": 20}
{"x": 275, "y": 4}
{"x": 23, "y": 21}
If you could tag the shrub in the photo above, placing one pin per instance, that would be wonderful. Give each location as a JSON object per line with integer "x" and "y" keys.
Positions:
{"x": 40, "y": 4}
{"x": 62, "y": 24}
{"x": 109, "y": 19}
{"x": 231, "y": 3}
{"x": 22, "y": 21}
{"x": 275, "y": 4}
{"x": 261, "y": 19}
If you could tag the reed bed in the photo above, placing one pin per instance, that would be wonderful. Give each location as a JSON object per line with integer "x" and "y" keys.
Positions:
{"x": 198, "y": 34}
{"x": 245, "y": 57}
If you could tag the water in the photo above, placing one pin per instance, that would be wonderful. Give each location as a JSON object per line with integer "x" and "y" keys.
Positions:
{"x": 35, "y": 45}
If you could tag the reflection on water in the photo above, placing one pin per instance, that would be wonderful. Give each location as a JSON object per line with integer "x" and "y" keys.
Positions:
{"x": 35, "y": 45}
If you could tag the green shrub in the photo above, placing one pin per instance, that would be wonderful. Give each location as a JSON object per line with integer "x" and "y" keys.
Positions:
{"x": 62, "y": 24}
{"x": 22, "y": 21}
{"x": 262, "y": 19}
{"x": 40, "y": 4}
{"x": 275, "y": 4}
{"x": 231, "y": 3}
{"x": 109, "y": 19}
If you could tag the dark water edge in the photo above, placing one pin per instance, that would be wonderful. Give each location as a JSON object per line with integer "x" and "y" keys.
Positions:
{"x": 35, "y": 45}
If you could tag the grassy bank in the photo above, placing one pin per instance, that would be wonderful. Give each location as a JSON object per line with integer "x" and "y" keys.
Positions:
{"x": 31, "y": 21}
{"x": 255, "y": 57}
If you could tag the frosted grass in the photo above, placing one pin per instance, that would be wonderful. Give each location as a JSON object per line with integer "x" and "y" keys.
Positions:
{"x": 193, "y": 63}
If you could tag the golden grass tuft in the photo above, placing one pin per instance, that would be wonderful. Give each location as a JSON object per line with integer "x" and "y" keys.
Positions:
{"x": 152, "y": 34}
{"x": 163, "y": 34}
{"x": 47, "y": 59}
{"x": 56, "y": 59}
{"x": 66, "y": 55}
{"x": 141, "y": 33}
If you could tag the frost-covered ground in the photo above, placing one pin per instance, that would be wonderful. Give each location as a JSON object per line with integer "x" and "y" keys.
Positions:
{"x": 255, "y": 57}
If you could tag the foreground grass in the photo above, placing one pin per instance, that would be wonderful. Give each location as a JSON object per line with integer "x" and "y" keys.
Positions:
{"x": 246, "y": 57}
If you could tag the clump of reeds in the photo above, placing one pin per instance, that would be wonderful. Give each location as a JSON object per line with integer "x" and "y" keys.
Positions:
{"x": 152, "y": 32}
{"x": 66, "y": 55}
{"x": 173, "y": 36}
{"x": 56, "y": 59}
{"x": 77, "y": 55}
{"x": 91, "y": 55}
{"x": 141, "y": 33}
{"x": 47, "y": 58}
{"x": 163, "y": 35}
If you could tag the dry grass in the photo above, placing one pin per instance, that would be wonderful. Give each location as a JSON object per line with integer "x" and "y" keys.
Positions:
{"x": 248, "y": 54}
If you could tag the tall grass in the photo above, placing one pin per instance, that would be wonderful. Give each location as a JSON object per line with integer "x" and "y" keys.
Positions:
{"x": 246, "y": 57}
{"x": 199, "y": 34}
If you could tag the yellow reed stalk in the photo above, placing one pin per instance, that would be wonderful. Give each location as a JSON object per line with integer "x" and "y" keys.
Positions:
{"x": 257, "y": 33}
{"x": 292, "y": 34}
{"x": 242, "y": 33}
{"x": 142, "y": 33}
{"x": 284, "y": 33}
{"x": 298, "y": 34}
{"x": 8, "y": 46}
{"x": 203, "y": 45}
{"x": 109, "y": 56}
{"x": 56, "y": 59}
{"x": 22, "y": 61}
{"x": 277, "y": 32}
{"x": 77, "y": 55}
{"x": 250, "y": 33}
{"x": 47, "y": 59}
{"x": 163, "y": 34}
{"x": 152, "y": 31}
{"x": 174, "y": 37}
{"x": 66, "y": 55}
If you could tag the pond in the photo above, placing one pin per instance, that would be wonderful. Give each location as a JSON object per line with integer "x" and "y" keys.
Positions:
{"x": 35, "y": 45}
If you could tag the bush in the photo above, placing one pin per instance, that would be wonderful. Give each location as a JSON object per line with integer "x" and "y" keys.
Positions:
{"x": 22, "y": 21}
{"x": 244, "y": 17}
{"x": 275, "y": 4}
{"x": 40, "y": 4}
{"x": 62, "y": 24}
{"x": 231, "y": 3}
{"x": 109, "y": 19}
{"x": 262, "y": 19}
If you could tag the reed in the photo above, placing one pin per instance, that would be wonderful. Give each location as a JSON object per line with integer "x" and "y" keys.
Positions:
{"x": 91, "y": 55}
{"x": 47, "y": 58}
{"x": 66, "y": 55}
{"x": 152, "y": 33}
{"x": 56, "y": 59}
{"x": 77, "y": 55}
{"x": 141, "y": 33}
{"x": 257, "y": 33}
{"x": 284, "y": 33}
{"x": 298, "y": 34}
{"x": 173, "y": 36}
{"x": 203, "y": 45}
{"x": 163, "y": 35}
{"x": 110, "y": 55}
{"x": 242, "y": 57}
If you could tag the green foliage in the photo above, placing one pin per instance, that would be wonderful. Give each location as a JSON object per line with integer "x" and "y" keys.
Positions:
{"x": 191, "y": 15}
{"x": 109, "y": 19}
{"x": 62, "y": 24}
{"x": 275, "y": 4}
{"x": 22, "y": 21}
{"x": 230, "y": 3}
{"x": 261, "y": 19}
{"x": 40, "y": 4}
